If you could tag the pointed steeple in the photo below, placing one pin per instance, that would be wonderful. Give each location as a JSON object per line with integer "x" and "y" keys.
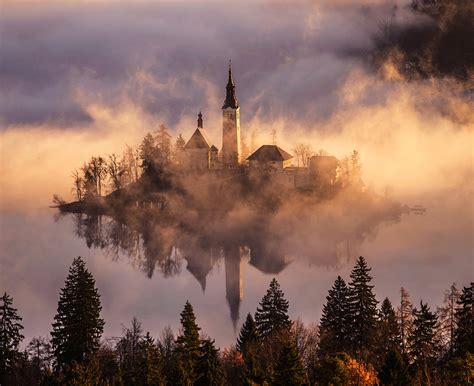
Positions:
{"x": 230, "y": 99}
{"x": 200, "y": 120}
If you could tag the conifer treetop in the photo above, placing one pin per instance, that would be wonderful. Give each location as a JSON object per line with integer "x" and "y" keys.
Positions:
{"x": 272, "y": 314}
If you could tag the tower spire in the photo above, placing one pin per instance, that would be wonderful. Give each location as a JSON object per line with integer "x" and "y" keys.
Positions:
{"x": 230, "y": 99}
{"x": 200, "y": 119}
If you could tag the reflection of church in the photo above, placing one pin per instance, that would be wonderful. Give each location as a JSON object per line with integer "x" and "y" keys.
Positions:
{"x": 201, "y": 261}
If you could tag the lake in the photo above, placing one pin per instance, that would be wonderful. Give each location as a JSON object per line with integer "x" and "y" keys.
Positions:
{"x": 423, "y": 253}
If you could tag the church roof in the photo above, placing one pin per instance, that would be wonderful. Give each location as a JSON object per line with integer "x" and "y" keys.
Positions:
{"x": 230, "y": 98}
{"x": 269, "y": 153}
{"x": 198, "y": 140}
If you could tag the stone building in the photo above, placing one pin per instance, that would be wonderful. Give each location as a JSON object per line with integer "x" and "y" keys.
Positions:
{"x": 268, "y": 161}
{"x": 231, "y": 145}
{"x": 200, "y": 155}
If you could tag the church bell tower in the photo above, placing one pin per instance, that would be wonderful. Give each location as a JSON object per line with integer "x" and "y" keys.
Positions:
{"x": 231, "y": 148}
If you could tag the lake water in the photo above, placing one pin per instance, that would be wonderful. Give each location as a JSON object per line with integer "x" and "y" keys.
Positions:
{"x": 423, "y": 253}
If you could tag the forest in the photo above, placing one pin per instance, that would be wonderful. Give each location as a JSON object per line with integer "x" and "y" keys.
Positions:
{"x": 359, "y": 340}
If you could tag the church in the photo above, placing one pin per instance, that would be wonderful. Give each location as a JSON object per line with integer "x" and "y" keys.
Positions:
{"x": 268, "y": 161}
{"x": 201, "y": 154}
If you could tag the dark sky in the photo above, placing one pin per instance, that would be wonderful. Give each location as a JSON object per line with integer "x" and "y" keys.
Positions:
{"x": 289, "y": 57}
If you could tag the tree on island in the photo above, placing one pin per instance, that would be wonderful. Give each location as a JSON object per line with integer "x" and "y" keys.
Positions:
{"x": 77, "y": 326}
{"x": 10, "y": 337}
{"x": 272, "y": 313}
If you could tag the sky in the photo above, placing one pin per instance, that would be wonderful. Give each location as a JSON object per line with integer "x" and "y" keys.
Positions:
{"x": 83, "y": 78}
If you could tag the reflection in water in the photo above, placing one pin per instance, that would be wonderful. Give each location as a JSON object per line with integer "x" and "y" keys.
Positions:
{"x": 163, "y": 249}
{"x": 153, "y": 243}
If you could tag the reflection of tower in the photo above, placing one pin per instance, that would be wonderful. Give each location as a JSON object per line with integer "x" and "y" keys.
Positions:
{"x": 234, "y": 290}
{"x": 231, "y": 148}
{"x": 200, "y": 264}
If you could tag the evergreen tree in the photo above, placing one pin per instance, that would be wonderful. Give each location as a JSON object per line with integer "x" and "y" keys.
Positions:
{"x": 335, "y": 323}
{"x": 209, "y": 368}
{"x": 10, "y": 337}
{"x": 272, "y": 315}
{"x": 248, "y": 344}
{"x": 362, "y": 308}
{"x": 187, "y": 348}
{"x": 422, "y": 342}
{"x": 387, "y": 331}
{"x": 150, "y": 362}
{"x": 248, "y": 336}
{"x": 394, "y": 370}
{"x": 405, "y": 320}
{"x": 464, "y": 333}
{"x": 77, "y": 326}
{"x": 289, "y": 369}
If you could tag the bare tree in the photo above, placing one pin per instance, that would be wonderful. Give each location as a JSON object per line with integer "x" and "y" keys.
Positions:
{"x": 78, "y": 188}
{"x": 447, "y": 317}
{"x": 274, "y": 136}
{"x": 116, "y": 171}
{"x": 405, "y": 319}
{"x": 163, "y": 143}
{"x": 131, "y": 163}
{"x": 303, "y": 153}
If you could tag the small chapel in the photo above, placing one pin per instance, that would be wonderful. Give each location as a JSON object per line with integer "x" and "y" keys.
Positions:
{"x": 268, "y": 161}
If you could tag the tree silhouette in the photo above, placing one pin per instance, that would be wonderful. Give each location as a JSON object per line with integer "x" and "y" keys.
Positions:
{"x": 77, "y": 326}
{"x": 272, "y": 315}
{"x": 209, "y": 367}
{"x": 362, "y": 308}
{"x": 334, "y": 330}
{"x": 10, "y": 337}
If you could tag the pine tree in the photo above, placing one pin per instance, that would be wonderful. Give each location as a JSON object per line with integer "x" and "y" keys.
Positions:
{"x": 422, "y": 342}
{"x": 209, "y": 368}
{"x": 289, "y": 369}
{"x": 335, "y": 324}
{"x": 405, "y": 320}
{"x": 362, "y": 308}
{"x": 387, "y": 331}
{"x": 248, "y": 336}
{"x": 272, "y": 315}
{"x": 447, "y": 318}
{"x": 394, "y": 371}
{"x": 464, "y": 333}
{"x": 187, "y": 348}
{"x": 10, "y": 337}
{"x": 77, "y": 327}
{"x": 248, "y": 344}
{"x": 150, "y": 362}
